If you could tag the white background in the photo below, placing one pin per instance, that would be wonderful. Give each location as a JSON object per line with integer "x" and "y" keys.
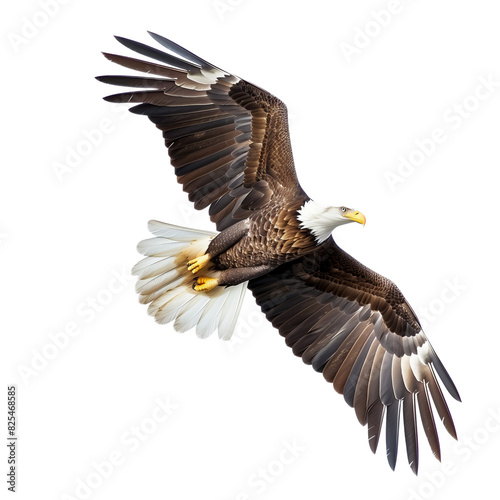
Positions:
{"x": 64, "y": 238}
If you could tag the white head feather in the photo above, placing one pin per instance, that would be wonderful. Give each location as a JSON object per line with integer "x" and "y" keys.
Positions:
{"x": 322, "y": 220}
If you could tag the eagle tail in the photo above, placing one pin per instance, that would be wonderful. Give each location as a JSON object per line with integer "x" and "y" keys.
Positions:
{"x": 166, "y": 284}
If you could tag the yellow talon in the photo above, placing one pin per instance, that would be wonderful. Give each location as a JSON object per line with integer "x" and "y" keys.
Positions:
{"x": 199, "y": 263}
{"x": 205, "y": 284}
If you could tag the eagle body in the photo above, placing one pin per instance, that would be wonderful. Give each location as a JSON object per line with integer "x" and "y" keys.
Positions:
{"x": 229, "y": 144}
{"x": 271, "y": 237}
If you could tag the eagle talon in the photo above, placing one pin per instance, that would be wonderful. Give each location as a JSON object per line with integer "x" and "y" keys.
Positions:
{"x": 205, "y": 284}
{"x": 199, "y": 263}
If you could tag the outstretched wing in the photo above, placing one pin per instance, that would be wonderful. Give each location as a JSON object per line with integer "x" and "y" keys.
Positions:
{"x": 356, "y": 327}
{"x": 227, "y": 139}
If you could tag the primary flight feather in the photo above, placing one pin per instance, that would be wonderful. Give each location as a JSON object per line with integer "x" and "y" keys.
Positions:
{"x": 229, "y": 143}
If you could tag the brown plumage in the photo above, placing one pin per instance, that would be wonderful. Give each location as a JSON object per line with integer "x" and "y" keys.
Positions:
{"x": 229, "y": 143}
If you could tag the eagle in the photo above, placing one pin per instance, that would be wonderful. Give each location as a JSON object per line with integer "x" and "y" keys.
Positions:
{"x": 229, "y": 143}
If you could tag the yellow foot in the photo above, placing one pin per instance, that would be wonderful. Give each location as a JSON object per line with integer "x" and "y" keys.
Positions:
{"x": 196, "y": 264}
{"x": 205, "y": 284}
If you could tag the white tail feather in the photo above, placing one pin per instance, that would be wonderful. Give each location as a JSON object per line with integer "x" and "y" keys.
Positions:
{"x": 166, "y": 284}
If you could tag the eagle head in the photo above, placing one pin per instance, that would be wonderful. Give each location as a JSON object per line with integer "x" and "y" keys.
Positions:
{"x": 321, "y": 220}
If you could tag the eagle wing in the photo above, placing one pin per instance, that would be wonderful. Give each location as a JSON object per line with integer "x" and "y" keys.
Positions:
{"x": 356, "y": 327}
{"x": 227, "y": 139}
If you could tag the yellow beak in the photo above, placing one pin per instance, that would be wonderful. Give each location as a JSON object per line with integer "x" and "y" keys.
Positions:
{"x": 355, "y": 216}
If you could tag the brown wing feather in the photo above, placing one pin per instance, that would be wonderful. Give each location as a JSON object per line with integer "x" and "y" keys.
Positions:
{"x": 228, "y": 139}
{"x": 356, "y": 327}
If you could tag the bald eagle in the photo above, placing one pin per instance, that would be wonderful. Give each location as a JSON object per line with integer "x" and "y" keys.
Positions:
{"x": 229, "y": 143}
